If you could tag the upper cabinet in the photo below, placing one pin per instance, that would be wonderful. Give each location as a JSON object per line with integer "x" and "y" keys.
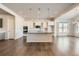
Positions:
{"x": 50, "y": 23}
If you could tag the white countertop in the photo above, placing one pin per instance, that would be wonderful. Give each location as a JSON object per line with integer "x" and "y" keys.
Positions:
{"x": 39, "y": 33}
{"x": 2, "y": 31}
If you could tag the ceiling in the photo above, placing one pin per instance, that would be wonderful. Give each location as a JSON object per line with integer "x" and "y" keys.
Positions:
{"x": 40, "y": 10}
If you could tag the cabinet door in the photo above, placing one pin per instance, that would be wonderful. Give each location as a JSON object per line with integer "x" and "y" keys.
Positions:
{"x": 39, "y": 37}
{"x": 2, "y": 36}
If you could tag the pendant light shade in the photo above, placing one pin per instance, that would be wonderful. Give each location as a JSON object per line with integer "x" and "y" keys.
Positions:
{"x": 51, "y": 18}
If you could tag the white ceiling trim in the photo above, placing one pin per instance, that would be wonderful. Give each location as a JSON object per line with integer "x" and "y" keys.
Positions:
{"x": 8, "y": 10}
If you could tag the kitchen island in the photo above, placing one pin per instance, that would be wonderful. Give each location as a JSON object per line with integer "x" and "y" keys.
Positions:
{"x": 39, "y": 37}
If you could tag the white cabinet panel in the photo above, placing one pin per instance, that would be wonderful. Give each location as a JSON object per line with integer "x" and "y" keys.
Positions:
{"x": 39, "y": 37}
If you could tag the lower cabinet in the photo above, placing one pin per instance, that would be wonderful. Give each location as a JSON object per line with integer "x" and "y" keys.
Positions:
{"x": 2, "y": 36}
{"x": 39, "y": 37}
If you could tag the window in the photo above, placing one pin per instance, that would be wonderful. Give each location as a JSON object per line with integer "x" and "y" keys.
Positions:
{"x": 63, "y": 27}
{"x": 60, "y": 27}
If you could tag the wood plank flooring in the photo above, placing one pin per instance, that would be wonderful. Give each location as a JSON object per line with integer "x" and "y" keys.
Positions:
{"x": 20, "y": 48}
{"x": 61, "y": 46}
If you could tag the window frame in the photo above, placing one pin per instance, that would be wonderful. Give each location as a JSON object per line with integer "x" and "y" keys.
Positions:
{"x": 63, "y": 28}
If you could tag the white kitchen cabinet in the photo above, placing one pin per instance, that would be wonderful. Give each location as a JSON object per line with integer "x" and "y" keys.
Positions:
{"x": 39, "y": 37}
{"x": 2, "y": 35}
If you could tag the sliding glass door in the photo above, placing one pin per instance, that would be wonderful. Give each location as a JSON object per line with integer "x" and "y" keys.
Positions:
{"x": 62, "y": 28}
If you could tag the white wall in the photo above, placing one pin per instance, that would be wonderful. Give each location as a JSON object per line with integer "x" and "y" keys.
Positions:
{"x": 8, "y": 26}
{"x": 76, "y": 21}
{"x": 18, "y": 23}
{"x": 18, "y": 27}
{"x": 13, "y": 26}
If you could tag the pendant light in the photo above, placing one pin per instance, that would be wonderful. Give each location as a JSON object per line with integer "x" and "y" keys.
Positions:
{"x": 39, "y": 13}
{"x": 50, "y": 17}
{"x": 48, "y": 13}
{"x": 30, "y": 15}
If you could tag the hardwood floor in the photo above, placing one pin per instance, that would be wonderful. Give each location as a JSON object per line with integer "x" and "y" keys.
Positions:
{"x": 61, "y": 46}
{"x": 21, "y": 48}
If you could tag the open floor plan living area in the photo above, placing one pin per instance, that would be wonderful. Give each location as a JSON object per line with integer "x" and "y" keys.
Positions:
{"x": 39, "y": 29}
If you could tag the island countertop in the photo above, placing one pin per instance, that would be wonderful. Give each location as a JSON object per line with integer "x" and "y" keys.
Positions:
{"x": 39, "y": 33}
